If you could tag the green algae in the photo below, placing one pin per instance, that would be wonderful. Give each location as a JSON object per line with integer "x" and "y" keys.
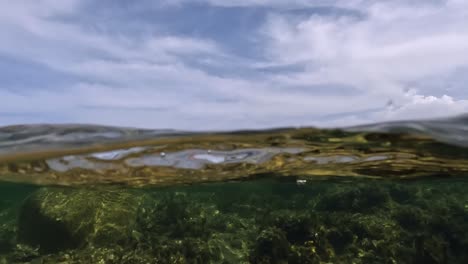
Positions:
{"x": 111, "y": 195}
{"x": 70, "y": 218}
{"x": 264, "y": 221}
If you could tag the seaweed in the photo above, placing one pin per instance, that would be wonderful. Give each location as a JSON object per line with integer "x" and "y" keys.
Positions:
{"x": 245, "y": 222}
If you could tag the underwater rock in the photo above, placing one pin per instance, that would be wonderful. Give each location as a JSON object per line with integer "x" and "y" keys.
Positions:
{"x": 299, "y": 228}
{"x": 23, "y": 254}
{"x": 245, "y": 222}
{"x": 7, "y": 230}
{"x": 59, "y": 218}
{"x": 178, "y": 227}
{"x": 361, "y": 198}
{"x": 271, "y": 246}
{"x": 6, "y": 240}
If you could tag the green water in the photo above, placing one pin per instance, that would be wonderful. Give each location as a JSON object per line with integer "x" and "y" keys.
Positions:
{"x": 261, "y": 221}
{"x": 385, "y": 193}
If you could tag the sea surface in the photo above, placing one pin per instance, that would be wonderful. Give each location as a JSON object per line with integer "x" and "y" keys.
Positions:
{"x": 381, "y": 193}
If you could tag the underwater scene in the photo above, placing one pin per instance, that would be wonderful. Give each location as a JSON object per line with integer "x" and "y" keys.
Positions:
{"x": 383, "y": 193}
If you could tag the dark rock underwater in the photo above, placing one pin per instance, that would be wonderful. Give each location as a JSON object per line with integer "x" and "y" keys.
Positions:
{"x": 384, "y": 193}
{"x": 264, "y": 221}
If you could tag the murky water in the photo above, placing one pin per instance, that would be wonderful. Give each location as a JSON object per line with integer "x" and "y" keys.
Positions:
{"x": 386, "y": 193}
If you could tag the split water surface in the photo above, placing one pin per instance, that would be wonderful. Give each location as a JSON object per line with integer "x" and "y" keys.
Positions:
{"x": 386, "y": 193}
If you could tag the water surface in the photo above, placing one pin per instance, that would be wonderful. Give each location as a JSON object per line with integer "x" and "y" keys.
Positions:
{"x": 384, "y": 193}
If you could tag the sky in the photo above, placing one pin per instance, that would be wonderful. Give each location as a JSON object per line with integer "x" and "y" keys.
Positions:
{"x": 227, "y": 64}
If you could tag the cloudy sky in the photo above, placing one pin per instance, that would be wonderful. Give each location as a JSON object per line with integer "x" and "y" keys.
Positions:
{"x": 227, "y": 64}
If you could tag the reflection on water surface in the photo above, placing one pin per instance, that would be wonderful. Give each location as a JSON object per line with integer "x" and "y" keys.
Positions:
{"x": 386, "y": 193}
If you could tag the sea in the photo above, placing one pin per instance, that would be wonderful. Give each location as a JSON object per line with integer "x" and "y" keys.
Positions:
{"x": 394, "y": 192}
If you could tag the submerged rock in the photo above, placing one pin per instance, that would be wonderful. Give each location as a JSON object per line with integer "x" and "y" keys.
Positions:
{"x": 7, "y": 230}
{"x": 246, "y": 222}
{"x": 59, "y": 218}
{"x": 360, "y": 198}
{"x": 271, "y": 246}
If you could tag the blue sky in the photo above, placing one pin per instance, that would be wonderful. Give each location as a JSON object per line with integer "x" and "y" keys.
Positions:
{"x": 218, "y": 64}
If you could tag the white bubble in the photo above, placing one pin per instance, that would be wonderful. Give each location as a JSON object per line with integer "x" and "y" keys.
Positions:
{"x": 301, "y": 182}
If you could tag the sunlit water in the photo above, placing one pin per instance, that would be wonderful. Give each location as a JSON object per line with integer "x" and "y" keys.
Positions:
{"x": 385, "y": 193}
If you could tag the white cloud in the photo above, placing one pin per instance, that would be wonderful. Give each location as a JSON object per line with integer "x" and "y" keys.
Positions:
{"x": 419, "y": 106}
{"x": 390, "y": 45}
{"x": 122, "y": 80}
{"x": 395, "y": 45}
{"x": 266, "y": 3}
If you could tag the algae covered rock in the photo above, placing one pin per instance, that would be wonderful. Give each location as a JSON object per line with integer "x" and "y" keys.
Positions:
{"x": 7, "y": 230}
{"x": 271, "y": 246}
{"x": 324, "y": 222}
{"x": 179, "y": 227}
{"x": 6, "y": 239}
{"x": 360, "y": 198}
{"x": 63, "y": 218}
